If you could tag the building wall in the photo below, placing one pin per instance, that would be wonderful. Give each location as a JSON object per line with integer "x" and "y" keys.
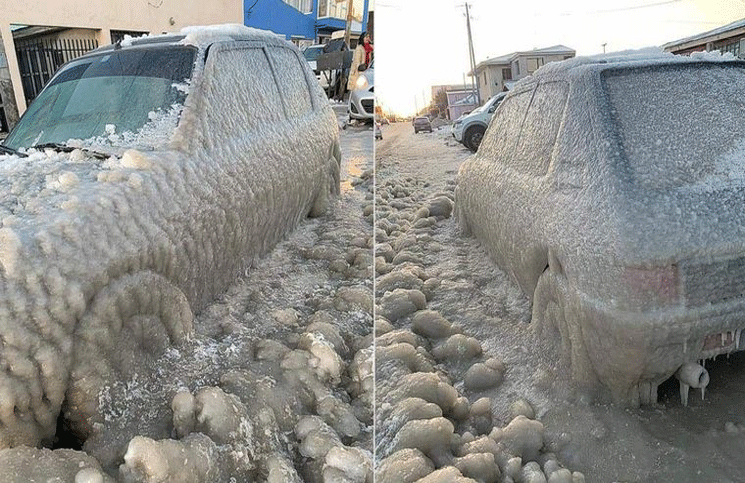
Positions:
{"x": 454, "y": 112}
{"x": 284, "y": 19}
{"x": 734, "y": 44}
{"x": 491, "y": 81}
{"x": 152, "y": 16}
{"x": 281, "y": 18}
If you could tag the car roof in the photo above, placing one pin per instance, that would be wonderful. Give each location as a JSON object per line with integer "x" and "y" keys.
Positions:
{"x": 199, "y": 36}
{"x": 649, "y": 57}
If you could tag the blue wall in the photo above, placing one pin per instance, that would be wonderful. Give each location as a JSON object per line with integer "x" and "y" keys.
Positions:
{"x": 280, "y": 18}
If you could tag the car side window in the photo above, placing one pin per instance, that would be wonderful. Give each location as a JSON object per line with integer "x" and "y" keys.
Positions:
{"x": 504, "y": 129}
{"x": 539, "y": 130}
{"x": 245, "y": 78}
{"x": 292, "y": 82}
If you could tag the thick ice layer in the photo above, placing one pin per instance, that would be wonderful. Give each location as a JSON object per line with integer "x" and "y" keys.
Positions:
{"x": 610, "y": 190}
{"x": 104, "y": 261}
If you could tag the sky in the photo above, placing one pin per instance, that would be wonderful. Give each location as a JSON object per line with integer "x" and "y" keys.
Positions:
{"x": 420, "y": 43}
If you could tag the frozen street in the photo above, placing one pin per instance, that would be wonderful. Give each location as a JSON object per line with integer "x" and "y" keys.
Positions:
{"x": 464, "y": 389}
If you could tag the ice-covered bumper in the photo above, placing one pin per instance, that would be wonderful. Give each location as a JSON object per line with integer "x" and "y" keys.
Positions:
{"x": 636, "y": 351}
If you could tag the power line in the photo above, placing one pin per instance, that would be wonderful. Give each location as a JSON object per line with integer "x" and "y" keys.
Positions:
{"x": 615, "y": 10}
{"x": 637, "y": 7}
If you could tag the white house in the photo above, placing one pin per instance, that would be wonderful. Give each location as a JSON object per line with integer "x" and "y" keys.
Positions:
{"x": 494, "y": 75}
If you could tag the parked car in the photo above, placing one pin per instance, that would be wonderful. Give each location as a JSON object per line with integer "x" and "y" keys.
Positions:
{"x": 611, "y": 190}
{"x": 137, "y": 186}
{"x": 422, "y": 124}
{"x": 311, "y": 53}
{"x": 469, "y": 129}
{"x": 361, "y": 105}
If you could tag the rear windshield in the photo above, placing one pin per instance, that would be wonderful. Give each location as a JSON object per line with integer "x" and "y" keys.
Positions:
{"x": 118, "y": 91}
{"x": 680, "y": 125}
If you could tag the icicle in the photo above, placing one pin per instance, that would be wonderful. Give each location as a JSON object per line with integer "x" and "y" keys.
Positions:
{"x": 684, "y": 393}
{"x": 737, "y": 339}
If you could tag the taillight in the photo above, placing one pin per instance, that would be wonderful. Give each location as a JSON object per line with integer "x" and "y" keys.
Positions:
{"x": 651, "y": 287}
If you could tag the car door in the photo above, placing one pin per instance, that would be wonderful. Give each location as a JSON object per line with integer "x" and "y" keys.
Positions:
{"x": 491, "y": 182}
{"x": 309, "y": 139}
{"x": 520, "y": 142}
{"x": 240, "y": 125}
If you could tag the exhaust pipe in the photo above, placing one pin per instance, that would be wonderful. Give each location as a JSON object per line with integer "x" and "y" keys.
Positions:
{"x": 691, "y": 375}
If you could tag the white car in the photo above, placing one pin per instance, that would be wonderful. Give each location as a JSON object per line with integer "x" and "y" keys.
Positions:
{"x": 140, "y": 183}
{"x": 362, "y": 98}
{"x": 470, "y": 129}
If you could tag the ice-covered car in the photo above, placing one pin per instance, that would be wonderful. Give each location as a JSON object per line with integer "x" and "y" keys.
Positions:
{"x": 145, "y": 178}
{"x": 422, "y": 124}
{"x": 469, "y": 129}
{"x": 362, "y": 98}
{"x": 612, "y": 191}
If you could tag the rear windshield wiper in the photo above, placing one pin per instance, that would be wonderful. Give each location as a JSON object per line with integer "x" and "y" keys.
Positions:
{"x": 68, "y": 149}
{"x": 7, "y": 150}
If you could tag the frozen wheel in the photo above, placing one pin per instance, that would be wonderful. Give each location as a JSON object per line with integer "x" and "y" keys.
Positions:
{"x": 129, "y": 324}
{"x": 472, "y": 138}
{"x": 330, "y": 185}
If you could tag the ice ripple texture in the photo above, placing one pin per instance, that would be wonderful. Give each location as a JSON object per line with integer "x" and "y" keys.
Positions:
{"x": 104, "y": 261}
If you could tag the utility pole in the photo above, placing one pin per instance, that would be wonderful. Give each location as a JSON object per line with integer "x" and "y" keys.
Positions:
{"x": 472, "y": 57}
{"x": 350, "y": 16}
{"x": 604, "y": 44}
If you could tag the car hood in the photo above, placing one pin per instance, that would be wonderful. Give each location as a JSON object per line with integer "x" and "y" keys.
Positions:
{"x": 48, "y": 181}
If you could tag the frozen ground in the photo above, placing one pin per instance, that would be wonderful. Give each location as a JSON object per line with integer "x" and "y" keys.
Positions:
{"x": 276, "y": 383}
{"x": 453, "y": 326}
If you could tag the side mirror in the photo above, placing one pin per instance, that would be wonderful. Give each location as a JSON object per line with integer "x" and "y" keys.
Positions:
{"x": 362, "y": 67}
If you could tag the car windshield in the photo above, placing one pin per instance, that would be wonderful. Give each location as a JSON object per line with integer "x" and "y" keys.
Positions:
{"x": 312, "y": 53}
{"x": 680, "y": 125}
{"x": 117, "y": 91}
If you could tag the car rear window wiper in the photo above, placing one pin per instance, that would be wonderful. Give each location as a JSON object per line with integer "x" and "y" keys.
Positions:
{"x": 67, "y": 149}
{"x": 7, "y": 150}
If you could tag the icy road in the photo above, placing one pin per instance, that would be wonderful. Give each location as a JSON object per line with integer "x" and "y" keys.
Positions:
{"x": 276, "y": 383}
{"x": 462, "y": 389}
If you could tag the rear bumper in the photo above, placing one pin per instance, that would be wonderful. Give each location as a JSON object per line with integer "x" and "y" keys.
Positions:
{"x": 627, "y": 348}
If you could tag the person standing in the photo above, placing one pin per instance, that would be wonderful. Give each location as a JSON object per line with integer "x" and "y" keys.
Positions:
{"x": 362, "y": 56}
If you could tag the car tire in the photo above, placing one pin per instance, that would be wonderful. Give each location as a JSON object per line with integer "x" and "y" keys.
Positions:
{"x": 128, "y": 325}
{"x": 330, "y": 186}
{"x": 473, "y": 136}
{"x": 556, "y": 331}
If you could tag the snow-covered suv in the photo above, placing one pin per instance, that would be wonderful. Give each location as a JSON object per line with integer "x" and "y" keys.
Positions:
{"x": 140, "y": 183}
{"x": 612, "y": 191}
{"x": 469, "y": 129}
